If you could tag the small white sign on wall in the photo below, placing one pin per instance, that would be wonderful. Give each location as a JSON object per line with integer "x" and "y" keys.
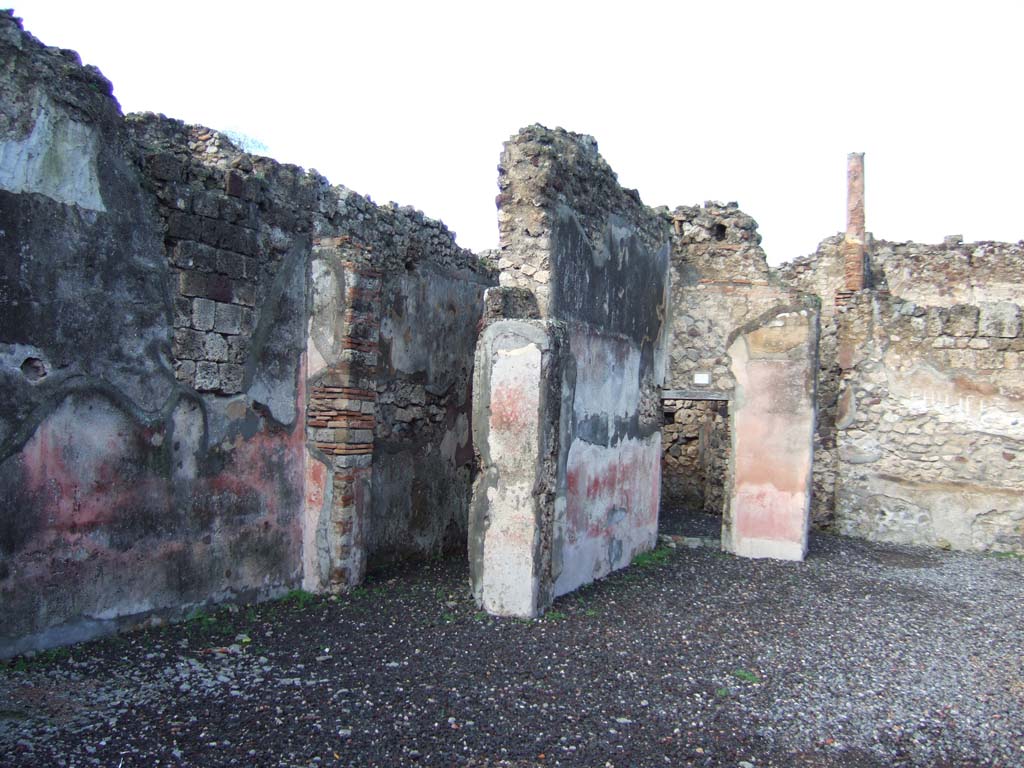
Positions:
{"x": 702, "y": 379}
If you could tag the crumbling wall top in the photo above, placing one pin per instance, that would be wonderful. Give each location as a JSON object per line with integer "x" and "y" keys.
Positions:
{"x": 193, "y": 159}
{"x": 547, "y": 176}
{"x": 718, "y": 242}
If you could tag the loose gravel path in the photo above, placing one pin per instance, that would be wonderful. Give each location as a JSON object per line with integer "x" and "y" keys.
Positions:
{"x": 864, "y": 655}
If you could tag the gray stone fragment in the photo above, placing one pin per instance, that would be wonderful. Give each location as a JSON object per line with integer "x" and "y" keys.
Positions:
{"x": 231, "y": 378}
{"x": 355, "y": 461}
{"x": 202, "y": 314}
{"x": 228, "y": 318}
{"x": 999, "y": 319}
{"x": 859, "y": 455}
{"x": 207, "y": 376}
{"x": 188, "y": 344}
{"x": 215, "y": 347}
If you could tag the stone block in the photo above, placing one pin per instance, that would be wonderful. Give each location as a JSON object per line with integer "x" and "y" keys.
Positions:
{"x": 227, "y": 318}
{"x": 202, "y": 314}
{"x": 357, "y": 436}
{"x": 215, "y": 347}
{"x": 231, "y": 376}
{"x": 230, "y": 264}
{"x": 164, "y": 166}
{"x": 999, "y": 319}
{"x": 243, "y": 293}
{"x": 207, "y": 204}
{"x": 935, "y": 319}
{"x": 234, "y": 183}
{"x": 247, "y": 321}
{"x": 354, "y": 461}
{"x": 207, "y": 376}
{"x": 191, "y": 283}
{"x": 189, "y": 254}
{"x": 961, "y": 320}
{"x": 182, "y": 312}
{"x": 238, "y": 348}
{"x": 188, "y": 344}
{"x": 184, "y": 226}
{"x": 238, "y": 239}
{"x": 236, "y": 211}
{"x": 185, "y": 371}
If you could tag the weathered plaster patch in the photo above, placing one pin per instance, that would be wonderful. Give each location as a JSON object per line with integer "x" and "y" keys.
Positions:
{"x": 975, "y": 405}
{"x": 608, "y": 376}
{"x": 611, "y": 509}
{"x": 315, "y": 554}
{"x": 772, "y": 423}
{"x": 512, "y": 536}
{"x": 57, "y": 159}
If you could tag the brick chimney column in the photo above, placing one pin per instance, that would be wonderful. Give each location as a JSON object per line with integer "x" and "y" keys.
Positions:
{"x": 853, "y": 250}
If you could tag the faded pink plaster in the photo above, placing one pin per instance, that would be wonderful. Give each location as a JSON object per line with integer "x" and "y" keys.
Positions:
{"x": 316, "y": 485}
{"x": 773, "y": 463}
{"x": 115, "y": 520}
{"x": 72, "y": 470}
{"x": 767, "y": 512}
{"x": 509, "y": 407}
{"x": 612, "y": 496}
{"x": 772, "y": 424}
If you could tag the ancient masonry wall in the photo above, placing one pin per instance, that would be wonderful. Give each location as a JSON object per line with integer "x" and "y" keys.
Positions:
{"x": 393, "y": 308}
{"x": 720, "y": 282}
{"x": 931, "y": 423}
{"x": 920, "y": 373}
{"x": 582, "y": 384}
{"x": 145, "y": 465}
{"x": 214, "y": 369}
{"x": 947, "y": 273}
{"x": 822, "y": 274}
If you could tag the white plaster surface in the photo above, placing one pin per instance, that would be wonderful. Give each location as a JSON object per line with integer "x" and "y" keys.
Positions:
{"x": 510, "y": 580}
{"x": 57, "y": 159}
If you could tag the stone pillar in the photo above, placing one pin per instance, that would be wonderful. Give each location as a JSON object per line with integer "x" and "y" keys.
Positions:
{"x": 340, "y": 416}
{"x": 515, "y": 428}
{"x": 854, "y": 243}
{"x": 772, "y": 430}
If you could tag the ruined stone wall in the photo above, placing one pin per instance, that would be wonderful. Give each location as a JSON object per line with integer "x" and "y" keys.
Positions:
{"x": 948, "y": 273}
{"x": 931, "y": 423}
{"x": 822, "y": 274}
{"x": 219, "y": 375}
{"x": 582, "y": 384}
{"x": 394, "y": 306}
{"x": 136, "y": 475}
{"x": 931, "y": 276}
{"x": 721, "y": 282}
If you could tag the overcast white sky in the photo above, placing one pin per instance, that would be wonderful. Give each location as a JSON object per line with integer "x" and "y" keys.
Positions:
{"x": 757, "y": 102}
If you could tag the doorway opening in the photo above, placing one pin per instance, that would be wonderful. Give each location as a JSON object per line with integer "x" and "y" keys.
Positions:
{"x": 695, "y": 462}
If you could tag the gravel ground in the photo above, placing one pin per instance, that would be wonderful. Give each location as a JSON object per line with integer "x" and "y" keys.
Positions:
{"x": 864, "y": 655}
